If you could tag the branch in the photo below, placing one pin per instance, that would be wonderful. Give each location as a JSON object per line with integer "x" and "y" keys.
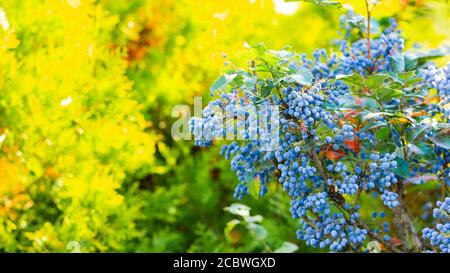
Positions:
{"x": 318, "y": 163}
{"x": 403, "y": 223}
{"x": 368, "y": 29}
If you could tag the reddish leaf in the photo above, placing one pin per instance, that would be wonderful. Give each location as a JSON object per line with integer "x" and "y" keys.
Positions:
{"x": 352, "y": 145}
{"x": 351, "y": 113}
{"x": 396, "y": 242}
{"x": 334, "y": 155}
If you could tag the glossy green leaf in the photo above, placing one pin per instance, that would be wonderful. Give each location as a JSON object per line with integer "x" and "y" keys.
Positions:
{"x": 402, "y": 168}
{"x": 441, "y": 141}
{"x": 223, "y": 81}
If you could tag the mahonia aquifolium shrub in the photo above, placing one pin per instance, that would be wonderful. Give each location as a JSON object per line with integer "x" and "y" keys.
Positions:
{"x": 365, "y": 121}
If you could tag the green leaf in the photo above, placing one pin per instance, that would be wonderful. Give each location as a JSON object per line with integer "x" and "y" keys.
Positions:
{"x": 301, "y": 76}
{"x": 387, "y": 147}
{"x": 254, "y": 219}
{"x": 375, "y": 81}
{"x": 259, "y": 48}
{"x": 353, "y": 79}
{"x": 423, "y": 151}
{"x": 331, "y": 3}
{"x": 238, "y": 209}
{"x": 410, "y": 62}
{"x": 420, "y": 58}
{"x": 398, "y": 62}
{"x": 441, "y": 141}
{"x": 375, "y": 115}
{"x": 413, "y": 81}
{"x": 258, "y": 231}
{"x": 266, "y": 88}
{"x": 405, "y": 76}
{"x": 383, "y": 133}
{"x": 371, "y": 126}
{"x": 287, "y": 247}
{"x": 415, "y": 134}
{"x": 222, "y": 81}
{"x": 402, "y": 168}
{"x": 282, "y": 54}
{"x": 387, "y": 94}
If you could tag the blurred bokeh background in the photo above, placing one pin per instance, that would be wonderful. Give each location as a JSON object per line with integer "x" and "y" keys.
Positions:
{"x": 87, "y": 161}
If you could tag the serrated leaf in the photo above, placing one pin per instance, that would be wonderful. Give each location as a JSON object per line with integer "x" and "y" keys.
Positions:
{"x": 375, "y": 81}
{"x": 402, "y": 169}
{"x": 405, "y": 76}
{"x": 371, "y": 126}
{"x": 410, "y": 62}
{"x": 420, "y": 58}
{"x": 301, "y": 76}
{"x": 441, "y": 141}
{"x": 259, "y": 48}
{"x": 353, "y": 79}
{"x": 282, "y": 54}
{"x": 287, "y": 247}
{"x": 266, "y": 88}
{"x": 422, "y": 150}
{"x": 413, "y": 81}
{"x": 331, "y": 3}
{"x": 375, "y": 115}
{"x": 386, "y": 93}
{"x": 415, "y": 132}
{"x": 222, "y": 81}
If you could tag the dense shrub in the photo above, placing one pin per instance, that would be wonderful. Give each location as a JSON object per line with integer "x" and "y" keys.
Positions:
{"x": 369, "y": 122}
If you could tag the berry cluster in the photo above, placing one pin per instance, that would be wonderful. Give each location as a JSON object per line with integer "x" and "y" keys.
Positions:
{"x": 331, "y": 229}
{"x": 439, "y": 79}
{"x": 440, "y": 235}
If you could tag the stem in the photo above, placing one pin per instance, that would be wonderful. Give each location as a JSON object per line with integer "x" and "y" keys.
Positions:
{"x": 318, "y": 163}
{"x": 403, "y": 223}
{"x": 368, "y": 29}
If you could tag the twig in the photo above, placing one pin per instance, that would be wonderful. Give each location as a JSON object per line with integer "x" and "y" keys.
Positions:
{"x": 368, "y": 28}
{"x": 318, "y": 163}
